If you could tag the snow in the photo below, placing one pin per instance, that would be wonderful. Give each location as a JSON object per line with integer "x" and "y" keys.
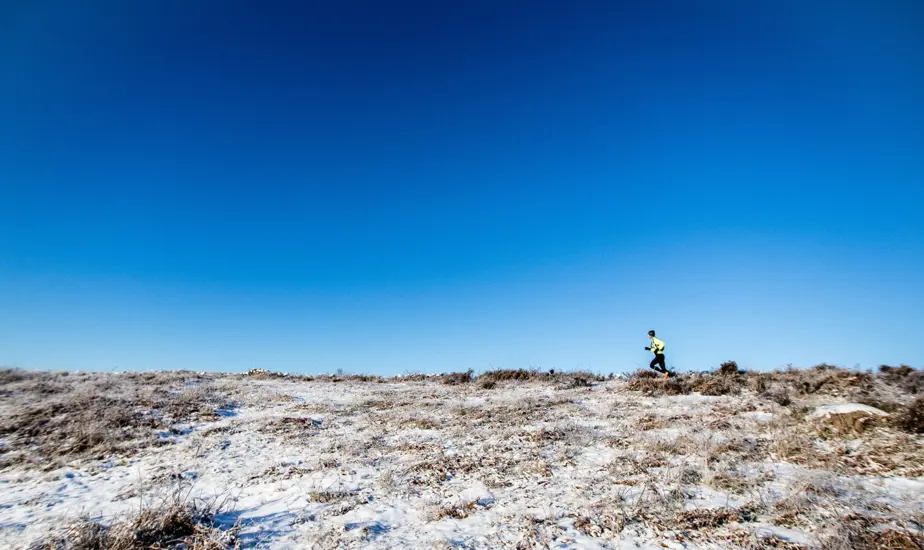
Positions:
{"x": 824, "y": 411}
{"x": 790, "y": 535}
{"x": 353, "y": 450}
{"x": 760, "y": 416}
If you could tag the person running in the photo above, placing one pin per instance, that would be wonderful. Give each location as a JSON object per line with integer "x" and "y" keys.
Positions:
{"x": 657, "y": 348}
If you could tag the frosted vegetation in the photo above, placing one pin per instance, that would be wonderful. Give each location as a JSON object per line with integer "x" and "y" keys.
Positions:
{"x": 823, "y": 458}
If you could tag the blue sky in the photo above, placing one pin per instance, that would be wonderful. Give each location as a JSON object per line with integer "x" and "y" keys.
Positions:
{"x": 430, "y": 186}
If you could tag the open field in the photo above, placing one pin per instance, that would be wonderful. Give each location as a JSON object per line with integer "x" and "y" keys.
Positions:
{"x": 822, "y": 458}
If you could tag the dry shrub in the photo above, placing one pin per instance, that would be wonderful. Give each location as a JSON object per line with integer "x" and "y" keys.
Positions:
{"x": 294, "y": 426}
{"x": 751, "y": 449}
{"x": 729, "y": 368}
{"x": 99, "y": 414}
{"x": 173, "y": 523}
{"x": 644, "y": 373}
{"x": 651, "y": 422}
{"x": 679, "y": 385}
{"x": 10, "y": 376}
{"x": 457, "y": 378}
{"x": 263, "y": 374}
{"x": 859, "y": 532}
{"x": 718, "y": 385}
{"x": 411, "y": 377}
{"x": 503, "y": 375}
{"x": 828, "y": 380}
{"x": 376, "y": 404}
{"x": 650, "y": 383}
{"x": 904, "y": 377}
{"x": 539, "y": 467}
{"x": 760, "y": 383}
{"x": 818, "y": 445}
{"x": 363, "y": 378}
{"x": 792, "y": 446}
{"x": 911, "y": 418}
{"x": 487, "y": 383}
{"x": 506, "y": 414}
{"x": 326, "y": 497}
{"x": 779, "y": 396}
{"x": 340, "y": 377}
{"x": 548, "y": 435}
{"x": 420, "y": 424}
{"x": 747, "y": 540}
{"x": 705, "y": 518}
{"x": 459, "y": 510}
{"x": 731, "y": 481}
{"x": 565, "y": 380}
{"x": 603, "y": 521}
{"x": 577, "y": 380}
{"x": 764, "y": 385}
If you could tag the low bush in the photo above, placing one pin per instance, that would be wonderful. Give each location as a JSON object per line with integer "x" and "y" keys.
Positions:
{"x": 911, "y": 417}
{"x": 729, "y": 368}
{"x": 487, "y": 383}
{"x": 457, "y": 378}
{"x": 904, "y": 377}
{"x": 718, "y": 385}
{"x": 503, "y": 375}
{"x": 653, "y": 384}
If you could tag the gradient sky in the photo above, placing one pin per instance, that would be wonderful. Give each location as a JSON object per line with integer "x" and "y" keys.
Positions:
{"x": 428, "y": 186}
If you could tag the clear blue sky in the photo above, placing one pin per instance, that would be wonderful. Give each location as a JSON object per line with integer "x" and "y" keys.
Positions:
{"x": 430, "y": 186}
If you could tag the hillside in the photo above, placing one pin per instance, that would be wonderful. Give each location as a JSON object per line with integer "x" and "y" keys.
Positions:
{"x": 822, "y": 458}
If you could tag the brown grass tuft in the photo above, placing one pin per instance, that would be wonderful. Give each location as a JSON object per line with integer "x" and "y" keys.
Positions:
{"x": 11, "y": 376}
{"x": 487, "y": 383}
{"x": 650, "y": 383}
{"x": 859, "y": 532}
{"x": 173, "y": 523}
{"x": 907, "y": 378}
{"x": 704, "y": 518}
{"x": 911, "y": 418}
{"x": 718, "y": 385}
{"x": 503, "y": 375}
{"x": 457, "y": 378}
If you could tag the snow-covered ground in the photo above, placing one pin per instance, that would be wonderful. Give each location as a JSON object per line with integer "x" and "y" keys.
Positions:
{"x": 530, "y": 465}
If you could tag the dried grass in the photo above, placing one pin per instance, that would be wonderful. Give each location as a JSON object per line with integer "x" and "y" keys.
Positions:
{"x": 487, "y": 383}
{"x": 907, "y": 378}
{"x": 859, "y": 532}
{"x": 52, "y": 417}
{"x": 562, "y": 379}
{"x": 457, "y": 378}
{"x": 652, "y": 384}
{"x": 723, "y": 384}
{"x": 911, "y": 418}
{"x": 173, "y": 523}
{"x": 711, "y": 518}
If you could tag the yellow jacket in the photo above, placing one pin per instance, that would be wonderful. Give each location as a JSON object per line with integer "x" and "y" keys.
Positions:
{"x": 657, "y": 346}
